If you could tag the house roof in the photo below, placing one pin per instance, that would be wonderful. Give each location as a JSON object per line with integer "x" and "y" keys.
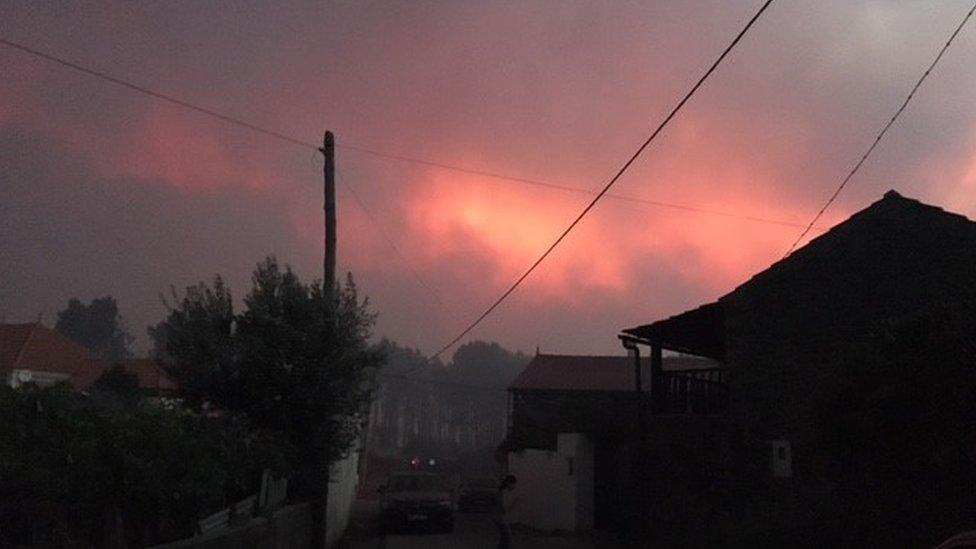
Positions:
{"x": 36, "y": 347}
{"x": 13, "y": 337}
{"x": 593, "y": 373}
{"x": 893, "y": 229}
{"x": 892, "y": 255}
{"x": 33, "y": 346}
{"x": 699, "y": 331}
{"x": 150, "y": 373}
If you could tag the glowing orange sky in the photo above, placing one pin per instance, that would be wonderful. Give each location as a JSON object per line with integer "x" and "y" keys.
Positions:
{"x": 558, "y": 92}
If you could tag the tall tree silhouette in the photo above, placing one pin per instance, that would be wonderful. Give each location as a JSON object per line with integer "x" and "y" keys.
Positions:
{"x": 296, "y": 361}
{"x": 97, "y": 326}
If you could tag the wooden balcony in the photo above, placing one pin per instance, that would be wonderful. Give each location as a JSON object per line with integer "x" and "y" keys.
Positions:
{"x": 702, "y": 391}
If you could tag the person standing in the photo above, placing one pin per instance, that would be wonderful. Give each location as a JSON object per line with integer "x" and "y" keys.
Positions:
{"x": 507, "y": 500}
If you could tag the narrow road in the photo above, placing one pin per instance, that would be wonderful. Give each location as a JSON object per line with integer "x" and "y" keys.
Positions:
{"x": 471, "y": 531}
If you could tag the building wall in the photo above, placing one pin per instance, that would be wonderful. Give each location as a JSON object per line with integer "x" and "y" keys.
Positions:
{"x": 794, "y": 334}
{"x": 581, "y": 448}
{"x": 342, "y": 494}
{"x": 39, "y": 377}
{"x": 685, "y": 477}
{"x": 555, "y": 488}
{"x": 537, "y": 415}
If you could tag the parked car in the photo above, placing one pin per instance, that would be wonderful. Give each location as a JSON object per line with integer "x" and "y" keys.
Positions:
{"x": 478, "y": 493}
{"x": 409, "y": 501}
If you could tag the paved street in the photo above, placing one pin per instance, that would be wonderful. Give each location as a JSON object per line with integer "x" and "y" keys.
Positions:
{"x": 474, "y": 531}
{"x": 471, "y": 531}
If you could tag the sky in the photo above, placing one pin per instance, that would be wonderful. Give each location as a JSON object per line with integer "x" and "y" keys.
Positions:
{"x": 104, "y": 191}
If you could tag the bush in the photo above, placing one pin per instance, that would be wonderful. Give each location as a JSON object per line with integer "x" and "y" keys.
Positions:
{"x": 75, "y": 473}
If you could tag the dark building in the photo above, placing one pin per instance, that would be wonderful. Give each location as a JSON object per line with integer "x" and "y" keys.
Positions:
{"x": 849, "y": 369}
{"x": 595, "y": 396}
{"x": 152, "y": 376}
{"x": 587, "y": 394}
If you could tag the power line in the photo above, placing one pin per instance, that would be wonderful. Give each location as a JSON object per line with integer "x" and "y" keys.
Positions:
{"x": 883, "y": 131}
{"x": 396, "y": 249}
{"x": 366, "y": 150}
{"x": 557, "y": 186}
{"x": 613, "y": 180}
{"x": 567, "y": 188}
{"x": 160, "y": 96}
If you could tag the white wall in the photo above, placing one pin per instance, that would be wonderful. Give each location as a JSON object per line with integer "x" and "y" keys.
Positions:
{"x": 16, "y": 378}
{"x": 342, "y": 494}
{"x": 582, "y": 449}
{"x": 555, "y": 489}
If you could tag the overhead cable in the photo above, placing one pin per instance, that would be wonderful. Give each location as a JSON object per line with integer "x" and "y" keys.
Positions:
{"x": 881, "y": 134}
{"x": 368, "y": 150}
{"x": 609, "y": 185}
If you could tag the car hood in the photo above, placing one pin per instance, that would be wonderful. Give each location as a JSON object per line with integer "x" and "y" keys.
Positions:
{"x": 419, "y": 497}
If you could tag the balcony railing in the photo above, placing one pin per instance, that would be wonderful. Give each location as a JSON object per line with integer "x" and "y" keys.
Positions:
{"x": 703, "y": 391}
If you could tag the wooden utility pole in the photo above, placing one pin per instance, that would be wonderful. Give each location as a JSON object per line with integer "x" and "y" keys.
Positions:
{"x": 329, "y": 263}
{"x": 320, "y": 505}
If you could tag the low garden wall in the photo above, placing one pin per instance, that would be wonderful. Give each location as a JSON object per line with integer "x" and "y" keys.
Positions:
{"x": 287, "y": 528}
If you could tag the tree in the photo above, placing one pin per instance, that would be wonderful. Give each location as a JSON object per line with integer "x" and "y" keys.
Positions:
{"x": 121, "y": 383}
{"x": 98, "y": 326}
{"x": 68, "y": 463}
{"x": 296, "y": 361}
{"x": 196, "y": 342}
{"x": 486, "y": 363}
{"x": 431, "y": 395}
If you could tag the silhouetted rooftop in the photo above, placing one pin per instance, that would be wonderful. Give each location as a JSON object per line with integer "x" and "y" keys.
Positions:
{"x": 150, "y": 373}
{"x": 894, "y": 252}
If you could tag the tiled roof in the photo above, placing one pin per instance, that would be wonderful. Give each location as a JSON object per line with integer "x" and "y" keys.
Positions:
{"x": 699, "y": 331}
{"x": 150, "y": 373}
{"x": 594, "y": 373}
{"x": 39, "y": 348}
{"x": 12, "y": 340}
{"x": 894, "y": 223}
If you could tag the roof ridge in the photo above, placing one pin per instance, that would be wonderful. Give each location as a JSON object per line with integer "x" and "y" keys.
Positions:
{"x": 888, "y": 200}
{"x": 27, "y": 340}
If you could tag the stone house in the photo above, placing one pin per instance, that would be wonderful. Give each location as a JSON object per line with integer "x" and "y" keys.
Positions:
{"x": 849, "y": 368}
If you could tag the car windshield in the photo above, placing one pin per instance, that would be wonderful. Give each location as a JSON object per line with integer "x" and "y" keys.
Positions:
{"x": 417, "y": 483}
